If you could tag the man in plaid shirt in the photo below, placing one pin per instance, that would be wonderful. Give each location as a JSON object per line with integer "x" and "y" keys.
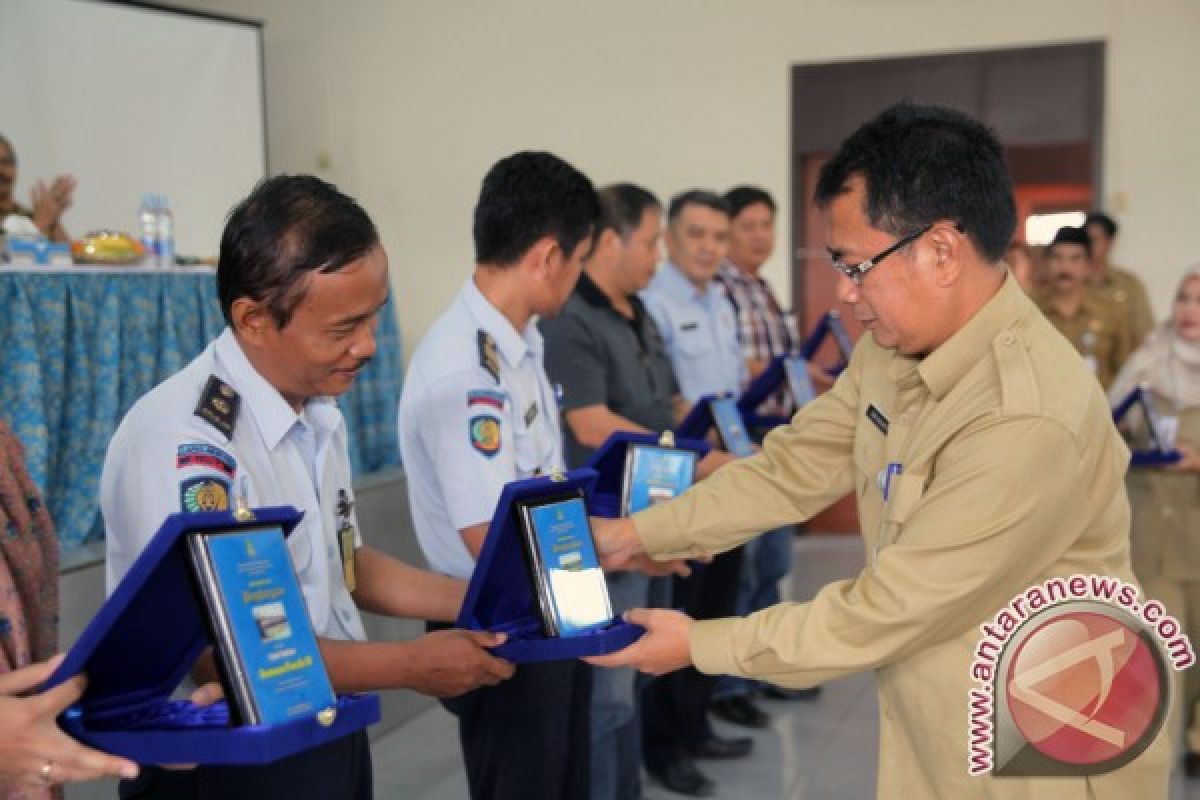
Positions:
{"x": 764, "y": 331}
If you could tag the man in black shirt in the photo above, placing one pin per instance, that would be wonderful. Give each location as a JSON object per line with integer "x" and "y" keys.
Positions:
{"x": 605, "y": 353}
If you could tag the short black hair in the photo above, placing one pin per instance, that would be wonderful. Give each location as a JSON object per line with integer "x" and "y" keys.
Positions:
{"x": 1103, "y": 220}
{"x": 926, "y": 163}
{"x": 696, "y": 197}
{"x": 739, "y": 198}
{"x": 527, "y": 196}
{"x": 288, "y": 227}
{"x": 625, "y": 204}
{"x": 1071, "y": 235}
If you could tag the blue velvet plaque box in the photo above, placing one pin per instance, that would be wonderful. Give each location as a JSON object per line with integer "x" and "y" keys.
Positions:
{"x": 501, "y": 597}
{"x": 774, "y": 375}
{"x": 145, "y": 639}
{"x": 609, "y": 463}
{"x": 1159, "y": 453}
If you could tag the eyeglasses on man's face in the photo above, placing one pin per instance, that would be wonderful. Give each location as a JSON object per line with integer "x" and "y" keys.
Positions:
{"x": 858, "y": 271}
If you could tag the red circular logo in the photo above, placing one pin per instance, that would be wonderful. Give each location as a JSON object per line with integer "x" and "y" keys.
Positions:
{"x": 1085, "y": 688}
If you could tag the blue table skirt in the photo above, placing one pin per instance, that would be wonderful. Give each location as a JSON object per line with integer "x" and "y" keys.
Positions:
{"x": 80, "y": 347}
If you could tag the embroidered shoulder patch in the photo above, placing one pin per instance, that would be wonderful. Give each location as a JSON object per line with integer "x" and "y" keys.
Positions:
{"x": 205, "y": 456}
{"x": 207, "y": 493}
{"x": 485, "y": 434}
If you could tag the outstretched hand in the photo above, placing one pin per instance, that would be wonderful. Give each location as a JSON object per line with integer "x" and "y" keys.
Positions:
{"x": 664, "y": 647}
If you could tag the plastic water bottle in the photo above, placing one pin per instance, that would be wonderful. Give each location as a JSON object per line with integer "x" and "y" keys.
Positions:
{"x": 148, "y": 229}
{"x": 166, "y": 233}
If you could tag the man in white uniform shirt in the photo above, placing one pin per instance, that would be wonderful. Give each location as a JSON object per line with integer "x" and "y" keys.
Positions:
{"x": 301, "y": 279}
{"x": 478, "y": 412}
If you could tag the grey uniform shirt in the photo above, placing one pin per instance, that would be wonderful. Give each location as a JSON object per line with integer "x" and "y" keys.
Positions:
{"x": 601, "y": 358}
{"x": 166, "y": 458}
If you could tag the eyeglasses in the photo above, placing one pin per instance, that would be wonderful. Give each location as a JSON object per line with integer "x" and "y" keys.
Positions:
{"x": 857, "y": 272}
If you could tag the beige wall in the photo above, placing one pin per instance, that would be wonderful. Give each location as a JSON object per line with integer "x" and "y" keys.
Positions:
{"x": 412, "y": 101}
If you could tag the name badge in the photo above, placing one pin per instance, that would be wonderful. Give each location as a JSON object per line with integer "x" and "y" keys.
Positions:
{"x": 346, "y": 545}
{"x": 345, "y": 536}
{"x": 878, "y": 419}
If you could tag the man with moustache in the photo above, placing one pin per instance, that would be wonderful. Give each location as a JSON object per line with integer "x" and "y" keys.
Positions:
{"x": 1094, "y": 324}
{"x": 606, "y": 354}
{"x": 301, "y": 280}
{"x": 1122, "y": 287}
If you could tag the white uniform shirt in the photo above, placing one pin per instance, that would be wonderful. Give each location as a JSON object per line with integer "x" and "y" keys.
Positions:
{"x": 165, "y": 458}
{"x": 700, "y": 332}
{"x": 466, "y": 432}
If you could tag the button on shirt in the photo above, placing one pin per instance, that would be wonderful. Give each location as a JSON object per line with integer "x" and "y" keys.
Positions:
{"x": 163, "y": 457}
{"x": 464, "y": 432}
{"x": 700, "y": 333}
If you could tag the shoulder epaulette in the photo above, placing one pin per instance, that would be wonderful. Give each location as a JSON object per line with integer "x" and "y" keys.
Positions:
{"x": 488, "y": 357}
{"x": 219, "y": 405}
{"x": 1018, "y": 384}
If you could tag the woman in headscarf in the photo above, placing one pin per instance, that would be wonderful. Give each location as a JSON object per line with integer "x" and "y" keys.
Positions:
{"x": 1166, "y": 501}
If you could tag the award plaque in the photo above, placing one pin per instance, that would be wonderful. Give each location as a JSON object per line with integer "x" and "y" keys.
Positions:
{"x": 1160, "y": 431}
{"x": 728, "y": 421}
{"x": 571, "y": 592}
{"x": 538, "y": 572}
{"x": 799, "y": 381}
{"x": 266, "y": 649}
{"x": 208, "y": 579}
{"x": 653, "y": 475}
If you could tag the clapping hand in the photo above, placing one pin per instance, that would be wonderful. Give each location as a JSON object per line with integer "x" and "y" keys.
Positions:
{"x": 49, "y": 202}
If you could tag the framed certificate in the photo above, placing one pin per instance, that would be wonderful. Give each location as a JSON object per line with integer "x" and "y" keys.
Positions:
{"x": 799, "y": 381}
{"x": 732, "y": 431}
{"x": 654, "y": 475}
{"x": 266, "y": 649}
{"x": 564, "y": 567}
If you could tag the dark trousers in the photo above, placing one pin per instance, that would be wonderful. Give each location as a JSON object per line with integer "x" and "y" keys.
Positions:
{"x": 340, "y": 770}
{"x": 527, "y": 738}
{"x": 675, "y": 706}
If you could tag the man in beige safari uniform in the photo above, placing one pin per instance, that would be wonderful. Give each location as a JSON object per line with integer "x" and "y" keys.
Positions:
{"x": 980, "y": 449}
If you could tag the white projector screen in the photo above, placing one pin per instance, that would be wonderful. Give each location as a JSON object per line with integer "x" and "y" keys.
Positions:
{"x": 129, "y": 100}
